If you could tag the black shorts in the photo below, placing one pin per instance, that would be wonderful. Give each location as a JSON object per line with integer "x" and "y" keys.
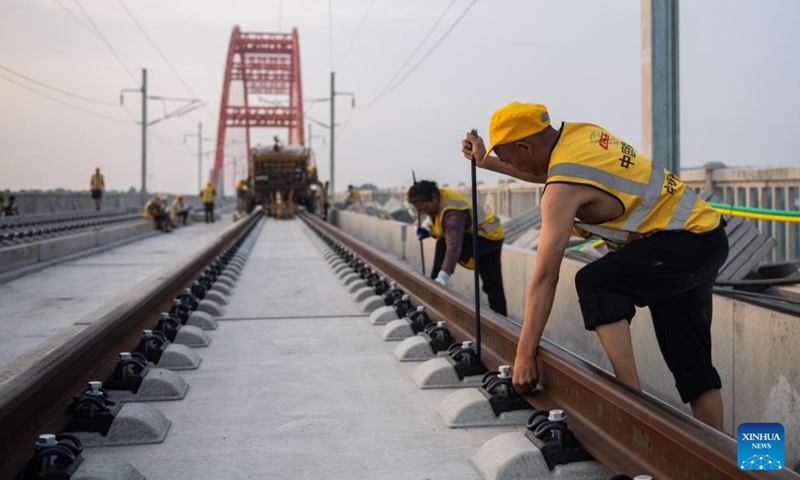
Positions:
{"x": 97, "y": 194}
{"x": 673, "y": 274}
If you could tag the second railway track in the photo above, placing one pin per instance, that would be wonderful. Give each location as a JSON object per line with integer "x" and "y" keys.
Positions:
{"x": 626, "y": 431}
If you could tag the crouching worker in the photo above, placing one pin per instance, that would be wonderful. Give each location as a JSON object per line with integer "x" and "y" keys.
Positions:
{"x": 155, "y": 209}
{"x": 451, "y": 213}
{"x": 179, "y": 209}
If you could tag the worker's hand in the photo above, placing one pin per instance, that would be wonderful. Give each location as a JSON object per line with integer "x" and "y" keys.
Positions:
{"x": 442, "y": 278}
{"x": 472, "y": 146}
{"x": 525, "y": 374}
{"x": 423, "y": 233}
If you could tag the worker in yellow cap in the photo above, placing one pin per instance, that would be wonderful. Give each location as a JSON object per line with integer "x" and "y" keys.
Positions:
{"x": 207, "y": 196}
{"x": 241, "y": 196}
{"x": 667, "y": 244}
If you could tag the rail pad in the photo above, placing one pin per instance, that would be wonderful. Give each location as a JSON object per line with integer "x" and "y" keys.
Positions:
{"x": 372, "y": 303}
{"x": 440, "y": 373}
{"x": 192, "y": 336}
{"x": 511, "y": 456}
{"x": 202, "y": 320}
{"x": 222, "y": 289}
{"x": 106, "y": 467}
{"x": 363, "y": 293}
{"x": 158, "y": 384}
{"x": 414, "y": 349}
{"x": 179, "y": 357}
{"x": 469, "y": 407}
{"x": 349, "y": 278}
{"x": 226, "y": 280}
{"x": 216, "y": 297}
{"x": 356, "y": 286}
{"x": 210, "y": 307}
{"x": 397, "y": 330}
{"x": 383, "y": 315}
{"x": 135, "y": 424}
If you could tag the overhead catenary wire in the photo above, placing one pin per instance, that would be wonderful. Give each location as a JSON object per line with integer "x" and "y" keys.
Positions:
{"x": 75, "y": 17}
{"x": 106, "y": 42}
{"x": 358, "y": 32}
{"x": 389, "y": 87}
{"x": 89, "y": 112}
{"x": 428, "y": 54}
{"x": 59, "y": 90}
{"x": 416, "y": 49}
{"x": 163, "y": 57}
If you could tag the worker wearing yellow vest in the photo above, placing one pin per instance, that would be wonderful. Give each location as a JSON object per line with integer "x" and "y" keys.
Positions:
{"x": 451, "y": 214}
{"x": 207, "y": 196}
{"x": 668, "y": 246}
{"x": 241, "y": 196}
{"x": 97, "y": 184}
{"x": 178, "y": 209}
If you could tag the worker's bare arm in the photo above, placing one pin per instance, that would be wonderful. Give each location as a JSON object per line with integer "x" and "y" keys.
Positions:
{"x": 473, "y": 146}
{"x": 559, "y": 205}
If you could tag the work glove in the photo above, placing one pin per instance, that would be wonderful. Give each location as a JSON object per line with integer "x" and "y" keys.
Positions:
{"x": 442, "y": 278}
{"x": 423, "y": 233}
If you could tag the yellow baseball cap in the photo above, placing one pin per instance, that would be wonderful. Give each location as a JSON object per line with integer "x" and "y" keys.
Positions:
{"x": 516, "y": 121}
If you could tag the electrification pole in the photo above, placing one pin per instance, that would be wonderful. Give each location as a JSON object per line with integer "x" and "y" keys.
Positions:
{"x": 333, "y": 120}
{"x": 333, "y": 137}
{"x": 189, "y": 105}
{"x": 660, "y": 83}
{"x": 199, "y": 156}
{"x": 144, "y": 136}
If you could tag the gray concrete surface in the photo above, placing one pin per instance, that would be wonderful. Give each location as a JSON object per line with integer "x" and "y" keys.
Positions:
{"x": 298, "y": 385}
{"x": 59, "y": 299}
{"x": 754, "y": 349}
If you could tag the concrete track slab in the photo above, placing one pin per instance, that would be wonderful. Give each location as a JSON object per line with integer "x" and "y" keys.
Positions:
{"x": 38, "y": 306}
{"x": 310, "y": 396}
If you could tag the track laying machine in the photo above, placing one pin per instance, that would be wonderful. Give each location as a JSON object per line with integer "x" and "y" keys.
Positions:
{"x": 284, "y": 178}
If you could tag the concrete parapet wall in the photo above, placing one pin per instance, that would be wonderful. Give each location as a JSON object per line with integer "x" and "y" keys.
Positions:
{"x": 18, "y": 256}
{"x": 28, "y": 254}
{"x": 755, "y": 350}
{"x": 66, "y": 245}
{"x": 116, "y": 233}
{"x": 45, "y": 202}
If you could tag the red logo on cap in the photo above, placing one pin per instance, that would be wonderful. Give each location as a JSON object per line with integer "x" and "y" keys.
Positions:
{"x": 604, "y": 140}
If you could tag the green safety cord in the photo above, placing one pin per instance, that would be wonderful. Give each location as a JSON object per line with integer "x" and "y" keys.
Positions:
{"x": 747, "y": 212}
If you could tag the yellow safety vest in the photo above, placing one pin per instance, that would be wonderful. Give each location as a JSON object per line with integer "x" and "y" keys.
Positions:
{"x": 489, "y": 226}
{"x": 146, "y": 210}
{"x": 654, "y": 199}
{"x": 174, "y": 206}
{"x": 97, "y": 181}
{"x": 207, "y": 195}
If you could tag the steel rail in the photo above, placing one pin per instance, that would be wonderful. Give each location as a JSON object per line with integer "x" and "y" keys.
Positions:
{"x": 629, "y": 432}
{"x": 36, "y": 400}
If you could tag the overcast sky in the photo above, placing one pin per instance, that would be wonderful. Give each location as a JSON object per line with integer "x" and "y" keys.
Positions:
{"x": 740, "y": 72}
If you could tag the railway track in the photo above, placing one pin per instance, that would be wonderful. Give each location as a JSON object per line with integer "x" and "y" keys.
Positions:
{"x": 21, "y": 230}
{"x": 35, "y": 401}
{"x": 626, "y": 431}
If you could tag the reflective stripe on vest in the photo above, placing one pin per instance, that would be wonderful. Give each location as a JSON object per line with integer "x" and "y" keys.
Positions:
{"x": 489, "y": 226}
{"x": 611, "y": 165}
